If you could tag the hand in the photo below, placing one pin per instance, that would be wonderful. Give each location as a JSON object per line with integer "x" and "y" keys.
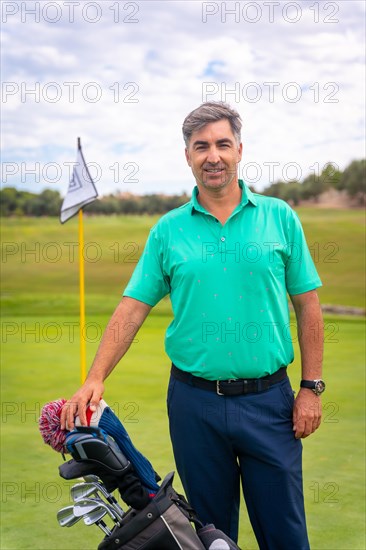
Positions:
{"x": 90, "y": 392}
{"x": 307, "y": 413}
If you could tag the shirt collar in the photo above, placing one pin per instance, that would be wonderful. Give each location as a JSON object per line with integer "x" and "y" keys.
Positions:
{"x": 246, "y": 196}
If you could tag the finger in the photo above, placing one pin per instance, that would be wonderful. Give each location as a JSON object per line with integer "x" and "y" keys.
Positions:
{"x": 317, "y": 422}
{"x": 81, "y": 411}
{"x": 304, "y": 428}
{"x": 308, "y": 431}
{"x": 94, "y": 401}
{"x": 301, "y": 434}
{"x": 70, "y": 424}
{"x": 70, "y": 415}
{"x": 298, "y": 428}
{"x": 313, "y": 421}
{"x": 63, "y": 418}
{"x": 298, "y": 424}
{"x": 319, "y": 416}
{"x": 310, "y": 427}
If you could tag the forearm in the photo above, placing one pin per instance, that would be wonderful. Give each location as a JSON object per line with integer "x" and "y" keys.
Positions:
{"x": 118, "y": 336}
{"x": 310, "y": 333}
{"x": 307, "y": 408}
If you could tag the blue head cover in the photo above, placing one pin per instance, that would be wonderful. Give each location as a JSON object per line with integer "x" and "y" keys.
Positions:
{"x": 105, "y": 419}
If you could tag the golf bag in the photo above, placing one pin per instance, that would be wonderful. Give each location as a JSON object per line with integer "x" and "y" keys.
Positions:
{"x": 155, "y": 521}
{"x": 163, "y": 524}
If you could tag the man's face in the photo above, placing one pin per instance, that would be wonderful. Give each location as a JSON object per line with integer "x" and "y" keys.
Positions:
{"x": 213, "y": 155}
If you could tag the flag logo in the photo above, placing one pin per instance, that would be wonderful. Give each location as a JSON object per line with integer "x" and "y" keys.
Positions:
{"x": 75, "y": 183}
{"x": 81, "y": 190}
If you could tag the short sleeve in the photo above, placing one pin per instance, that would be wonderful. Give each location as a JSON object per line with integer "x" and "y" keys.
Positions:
{"x": 301, "y": 273}
{"x": 148, "y": 283}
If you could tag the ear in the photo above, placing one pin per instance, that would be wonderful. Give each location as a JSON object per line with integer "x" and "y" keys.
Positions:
{"x": 187, "y": 156}
{"x": 240, "y": 152}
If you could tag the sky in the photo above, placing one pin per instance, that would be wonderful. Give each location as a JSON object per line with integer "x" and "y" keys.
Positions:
{"x": 123, "y": 75}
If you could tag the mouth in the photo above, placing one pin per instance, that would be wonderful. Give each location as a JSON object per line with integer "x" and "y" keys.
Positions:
{"x": 214, "y": 171}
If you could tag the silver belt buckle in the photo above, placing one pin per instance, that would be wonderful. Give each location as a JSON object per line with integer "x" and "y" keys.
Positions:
{"x": 218, "y": 385}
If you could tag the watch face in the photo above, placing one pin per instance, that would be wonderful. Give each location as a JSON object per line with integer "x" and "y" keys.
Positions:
{"x": 319, "y": 386}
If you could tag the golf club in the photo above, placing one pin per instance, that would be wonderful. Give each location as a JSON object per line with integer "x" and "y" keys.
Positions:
{"x": 91, "y": 478}
{"x": 95, "y": 517}
{"x": 66, "y": 517}
{"x": 82, "y": 490}
{"x": 110, "y": 498}
{"x": 86, "y": 506}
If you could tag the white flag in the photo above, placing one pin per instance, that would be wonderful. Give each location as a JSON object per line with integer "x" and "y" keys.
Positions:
{"x": 81, "y": 190}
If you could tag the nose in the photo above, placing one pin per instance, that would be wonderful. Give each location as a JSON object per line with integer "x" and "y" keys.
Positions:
{"x": 213, "y": 156}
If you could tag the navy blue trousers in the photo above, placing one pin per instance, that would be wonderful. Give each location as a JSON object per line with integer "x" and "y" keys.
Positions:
{"x": 220, "y": 441}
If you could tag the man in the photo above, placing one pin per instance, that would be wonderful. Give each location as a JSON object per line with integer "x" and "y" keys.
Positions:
{"x": 228, "y": 259}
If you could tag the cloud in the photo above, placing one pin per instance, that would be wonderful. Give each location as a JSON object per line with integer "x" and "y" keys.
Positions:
{"x": 123, "y": 76}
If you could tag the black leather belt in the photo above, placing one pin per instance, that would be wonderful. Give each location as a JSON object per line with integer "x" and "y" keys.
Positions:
{"x": 238, "y": 386}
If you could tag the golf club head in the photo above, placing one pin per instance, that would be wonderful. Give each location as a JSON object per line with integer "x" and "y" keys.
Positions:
{"x": 80, "y": 491}
{"x": 85, "y": 506}
{"x": 95, "y": 516}
{"x": 66, "y": 517}
{"x": 89, "y": 505}
{"x": 110, "y": 498}
{"x": 91, "y": 478}
{"x": 98, "y": 482}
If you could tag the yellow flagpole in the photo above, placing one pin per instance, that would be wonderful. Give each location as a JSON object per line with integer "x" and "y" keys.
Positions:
{"x": 82, "y": 298}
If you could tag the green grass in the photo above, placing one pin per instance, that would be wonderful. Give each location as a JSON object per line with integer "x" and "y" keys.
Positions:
{"x": 36, "y": 370}
{"x": 40, "y": 358}
{"x": 39, "y": 256}
{"x": 336, "y": 239}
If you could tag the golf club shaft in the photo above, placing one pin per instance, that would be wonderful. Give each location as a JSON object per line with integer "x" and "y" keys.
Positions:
{"x": 103, "y": 526}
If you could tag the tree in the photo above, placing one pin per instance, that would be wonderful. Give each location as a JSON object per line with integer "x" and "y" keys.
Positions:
{"x": 353, "y": 178}
{"x": 330, "y": 176}
{"x": 51, "y": 202}
{"x": 276, "y": 189}
{"x": 292, "y": 192}
{"x": 9, "y": 197}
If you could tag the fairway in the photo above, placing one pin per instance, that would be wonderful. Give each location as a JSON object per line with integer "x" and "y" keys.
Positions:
{"x": 40, "y": 363}
{"x": 40, "y": 261}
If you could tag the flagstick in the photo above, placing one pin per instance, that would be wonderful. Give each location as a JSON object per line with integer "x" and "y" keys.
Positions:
{"x": 82, "y": 298}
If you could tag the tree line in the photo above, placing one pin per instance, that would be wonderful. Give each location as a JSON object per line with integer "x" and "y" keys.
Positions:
{"x": 352, "y": 180}
{"x": 48, "y": 203}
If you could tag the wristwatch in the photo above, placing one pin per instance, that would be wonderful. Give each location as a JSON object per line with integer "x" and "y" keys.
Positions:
{"x": 318, "y": 386}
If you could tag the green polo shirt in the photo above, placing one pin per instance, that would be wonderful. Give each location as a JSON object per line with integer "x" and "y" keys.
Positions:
{"x": 228, "y": 285}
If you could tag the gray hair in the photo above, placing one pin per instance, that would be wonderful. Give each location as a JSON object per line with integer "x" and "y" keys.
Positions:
{"x": 211, "y": 111}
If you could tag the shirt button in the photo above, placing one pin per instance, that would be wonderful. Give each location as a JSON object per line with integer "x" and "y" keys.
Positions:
{"x": 223, "y": 239}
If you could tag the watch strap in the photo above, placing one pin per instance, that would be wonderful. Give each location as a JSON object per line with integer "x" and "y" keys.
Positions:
{"x": 310, "y": 384}
{"x": 317, "y": 386}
